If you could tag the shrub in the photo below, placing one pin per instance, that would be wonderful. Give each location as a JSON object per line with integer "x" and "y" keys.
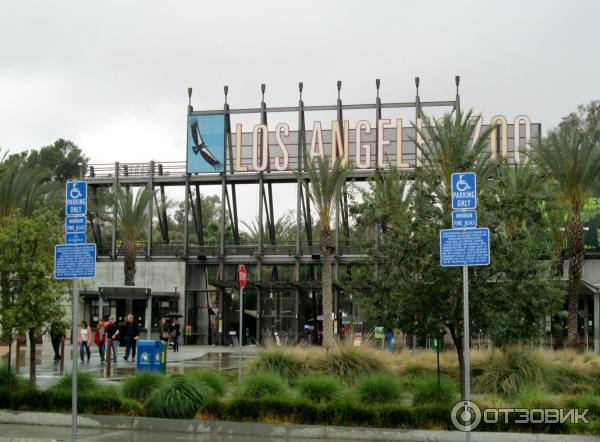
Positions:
{"x": 348, "y": 364}
{"x": 259, "y": 385}
{"x": 279, "y": 361}
{"x": 508, "y": 371}
{"x": 379, "y": 389}
{"x": 8, "y": 378}
{"x": 535, "y": 396}
{"x": 179, "y": 397}
{"x": 318, "y": 388}
{"x": 213, "y": 379}
{"x": 586, "y": 401}
{"x": 86, "y": 382}
{"x": 141, "y": 385}
{"x": 427, "y": 391}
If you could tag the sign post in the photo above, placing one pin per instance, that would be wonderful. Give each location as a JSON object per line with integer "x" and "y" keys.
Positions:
{"x": 242, "y": 278}
{"x": 462, "y": 246}
{"x": 73, "y": 260}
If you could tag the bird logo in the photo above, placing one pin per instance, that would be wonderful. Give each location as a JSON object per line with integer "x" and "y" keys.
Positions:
{"x": 201, "y": 148}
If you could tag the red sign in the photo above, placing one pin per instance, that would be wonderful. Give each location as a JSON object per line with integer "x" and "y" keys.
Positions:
{"x": 242, "y": 271}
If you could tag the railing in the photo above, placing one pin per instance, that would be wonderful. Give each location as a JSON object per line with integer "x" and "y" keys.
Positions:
{"x": 104, "y": 170}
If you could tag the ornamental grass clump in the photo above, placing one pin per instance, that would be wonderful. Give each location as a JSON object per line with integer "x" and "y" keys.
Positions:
{"x": 427, "y": 391}
{"x": 179, "y": 397}
{"x": 319, "y": 388}
{"x": 86, "y": 382}
{"x": 259, "y": 385}
{"x": 379, "y": 389}
{"x": 213, "y": 379}
{"x": 508, "y": 371}
{"x": 142, "y": 385}
{"x": 279, "y": 361}
{"x": 348, "y": 364}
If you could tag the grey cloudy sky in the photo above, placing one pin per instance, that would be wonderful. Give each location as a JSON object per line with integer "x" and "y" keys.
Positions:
{"x": 112, "y": 76}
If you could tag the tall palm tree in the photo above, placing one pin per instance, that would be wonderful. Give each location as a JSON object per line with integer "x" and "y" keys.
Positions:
{"x": 571, "y": 159}
{"x": 326, "y": 187}
{"x": 131, "y": 216}
{"x": 447, "y": 146}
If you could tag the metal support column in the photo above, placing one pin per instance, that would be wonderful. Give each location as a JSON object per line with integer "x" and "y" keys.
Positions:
{"x": 222, "y": 233}
{"x": 149, "y": 317}
{"x": 150, "y": 212}
{"x": 113, "y": 244}
{"x": 186, "y": 215}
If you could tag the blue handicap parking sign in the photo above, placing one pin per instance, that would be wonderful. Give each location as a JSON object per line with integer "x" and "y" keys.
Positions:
{"x": 465, "y": 247}
{"x": 74, "y": 261}
{"x": 464, "y": 190}
{"x": 76, "y": 198}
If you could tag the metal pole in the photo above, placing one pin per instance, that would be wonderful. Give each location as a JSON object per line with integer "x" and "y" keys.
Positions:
{"x": 240, "y": 335}
{"x": 597, "y": 322}
{"x": 466, "y": 349}
{"x": 74, "y": 355}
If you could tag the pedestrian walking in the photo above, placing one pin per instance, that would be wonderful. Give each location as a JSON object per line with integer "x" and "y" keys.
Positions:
{"x": 84, "y": 336}
{"x": 112, "y": 332}
{"x": 175, "y": 333}
{"x": 100, "y": 339}
{"x": 57, "y": 333}
{"x": 131, "y": 337}
{"x": 164, "y": 330}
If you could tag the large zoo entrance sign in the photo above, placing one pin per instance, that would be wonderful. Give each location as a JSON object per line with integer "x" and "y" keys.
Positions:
{"x": 252, "y": 153}
{"x": 214, "y": 145}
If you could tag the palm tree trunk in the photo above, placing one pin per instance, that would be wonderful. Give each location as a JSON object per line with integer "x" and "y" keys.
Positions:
{"x": 576, "y": 257}
{"x": 129, "y": 263}
{"x": 327, "y": 249}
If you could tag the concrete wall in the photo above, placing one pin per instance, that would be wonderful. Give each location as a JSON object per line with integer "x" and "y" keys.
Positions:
{"x": 158, "y": 275}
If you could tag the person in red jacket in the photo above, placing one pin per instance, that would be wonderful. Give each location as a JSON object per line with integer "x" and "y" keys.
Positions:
{"x": 100, "y": 339}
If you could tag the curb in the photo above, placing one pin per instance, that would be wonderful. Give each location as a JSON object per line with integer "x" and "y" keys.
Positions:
{"x": 309, "y": 432}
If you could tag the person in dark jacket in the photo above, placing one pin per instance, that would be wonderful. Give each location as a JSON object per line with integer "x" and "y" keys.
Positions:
{"x": 131, "y": 337}
{"x": 57, "y": 333}
{"x": 112, "y": 333}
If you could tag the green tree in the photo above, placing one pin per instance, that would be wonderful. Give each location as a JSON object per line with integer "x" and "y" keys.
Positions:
{"x": 131, "y": 216}
{"x": 27, "y": 256}
{"x": 326, "y": 187}
{"x": 285, "y": 229}
{"x": 570, "y": 158}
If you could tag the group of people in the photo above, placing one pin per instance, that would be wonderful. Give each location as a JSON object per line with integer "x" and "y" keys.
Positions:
{"x": 124, "y": 334}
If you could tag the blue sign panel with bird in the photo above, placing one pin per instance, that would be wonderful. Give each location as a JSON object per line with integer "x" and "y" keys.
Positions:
{"x": 206, "y": 144}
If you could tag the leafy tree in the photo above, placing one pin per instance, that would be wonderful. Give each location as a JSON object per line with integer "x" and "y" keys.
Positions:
{"x": 326, "y": 187}
{"x": 131, "y": 217}
{"x": 570, "y": 158}
{"x": 27, "y": 256}
{"x": 62, "y": 160}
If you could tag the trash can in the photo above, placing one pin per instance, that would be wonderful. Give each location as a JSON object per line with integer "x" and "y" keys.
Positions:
{"x": 152, "y": 356}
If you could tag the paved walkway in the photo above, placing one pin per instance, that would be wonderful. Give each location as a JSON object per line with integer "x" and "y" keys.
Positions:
{"x": 188, "y": 357}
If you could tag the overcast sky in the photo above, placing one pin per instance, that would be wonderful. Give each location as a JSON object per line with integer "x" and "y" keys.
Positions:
{"x": 112, "y": 76}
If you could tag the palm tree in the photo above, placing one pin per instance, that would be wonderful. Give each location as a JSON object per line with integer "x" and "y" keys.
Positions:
{"x": 448, "y": 146}
{"x": 326, "y": 187}
{"x": 570, "y": 158}
{"x": 131, "y": 216}
{"x": 284, "y": 228}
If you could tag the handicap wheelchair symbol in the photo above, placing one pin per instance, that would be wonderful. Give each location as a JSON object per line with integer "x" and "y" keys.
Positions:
{"x": 462, "y": 185}
{"x": 75, "y": 193}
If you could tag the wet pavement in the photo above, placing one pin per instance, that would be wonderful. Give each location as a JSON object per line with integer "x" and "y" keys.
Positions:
{"x": 189, "y": 357}
{"x": 45, "y": 432}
